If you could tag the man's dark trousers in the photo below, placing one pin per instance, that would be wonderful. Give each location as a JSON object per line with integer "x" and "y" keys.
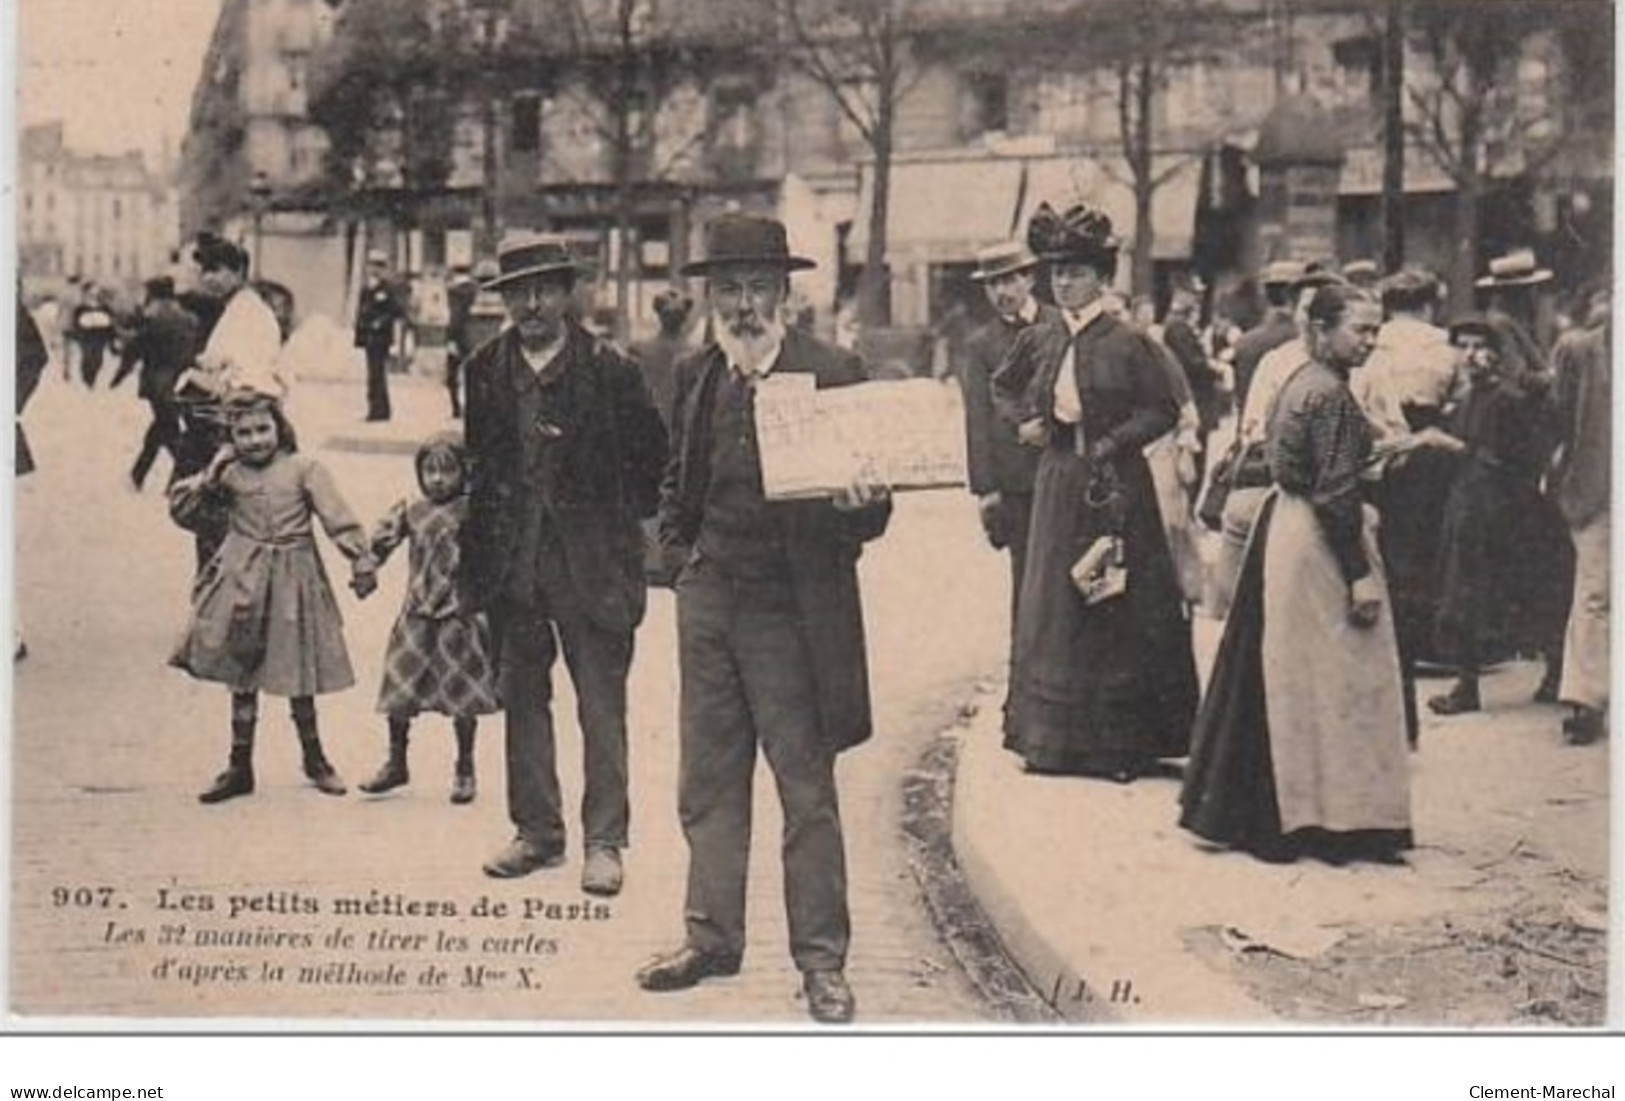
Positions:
{"x": 164, "y": 433}
{"x": 1015, "y": 515}
{"x": 747, "y": 677}
{"x": 530, "y": 635}
{"x": 377, "y": 382}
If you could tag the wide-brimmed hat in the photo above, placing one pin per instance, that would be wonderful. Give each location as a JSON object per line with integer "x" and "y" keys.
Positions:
{"x": 746, "y": 239}
{"x": 1280, "y": 273}
{"x": 528, "y": 255}
{"x": 1083, "y": 233}
{"x": 1005, "y": 258}
{"x": 1517, "y": 268}
{"x": 377, "y": 256}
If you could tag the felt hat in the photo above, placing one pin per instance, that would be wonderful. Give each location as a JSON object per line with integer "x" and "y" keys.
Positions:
{"x": 1005, "y": 258}
{"x": 746, "y": 239}
{"x": 528, "y": 255}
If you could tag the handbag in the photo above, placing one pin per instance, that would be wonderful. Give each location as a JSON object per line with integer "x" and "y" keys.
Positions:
{"x": 1101, "y": 572}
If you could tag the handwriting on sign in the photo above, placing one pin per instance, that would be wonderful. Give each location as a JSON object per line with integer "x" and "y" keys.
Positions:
{"x": 902, "y": 434}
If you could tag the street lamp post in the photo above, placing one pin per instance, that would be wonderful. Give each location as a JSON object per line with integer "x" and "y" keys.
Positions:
{"x": 260, "y": 192}
{"x": 492, "y": 15}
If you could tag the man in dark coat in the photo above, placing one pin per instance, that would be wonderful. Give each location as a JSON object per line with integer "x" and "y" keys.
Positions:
{"x": 1000, "y": 468}
{"x": 770, "y": 628}
{"x": 375, "y": 317}
{"x": 165, "y": 344}
{"x": 567, "y": 453}
{"x": 460, "y": 296}
{"x": 1180, "y": 338}
{"x": 1280, "y": 281}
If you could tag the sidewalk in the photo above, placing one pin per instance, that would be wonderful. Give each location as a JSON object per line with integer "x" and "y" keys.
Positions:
{"x": 1117, "y": 915}
{"x": 332, "y": 412}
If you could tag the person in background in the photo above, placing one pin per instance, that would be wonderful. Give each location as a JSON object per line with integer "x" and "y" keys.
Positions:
{"x": 657, "y": 357}
{"x": 461, "y": 292}
{"x": 566, "y": 454}
{"x": 1000, "y": 469}
{"x": 1099, "y": 687}
{"x": 1511, "y": 294}
{"x": 377, "y": 314}
{"x": 1506, "y": 563}
{"x": 1299, "y": 748}
{"x": 1409, "y": 388}
{"x": 32, "y": 356}
{"x": 1363, "y": 274}
{"x": 770, "y": 639}
{"x": 93, "y": 326}
{"x": 1581, "y": 482}
{"x": 164, "y": 345}
{"x": 1179, "y": 336}
{"x": 1279, "y": 280}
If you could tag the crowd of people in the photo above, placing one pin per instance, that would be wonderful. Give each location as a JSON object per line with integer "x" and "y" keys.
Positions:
{"x": 1395, "y": 493}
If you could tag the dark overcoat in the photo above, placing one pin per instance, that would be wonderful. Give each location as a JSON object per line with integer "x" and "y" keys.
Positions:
{"x": 608, "y": 449}
{"x": 822, "y": 543}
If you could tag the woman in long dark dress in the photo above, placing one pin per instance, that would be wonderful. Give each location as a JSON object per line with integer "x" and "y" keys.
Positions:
{"x": 1300, "y": 743}
{"x": 1102, "y": 688}
{"x": 1506, "y": 560}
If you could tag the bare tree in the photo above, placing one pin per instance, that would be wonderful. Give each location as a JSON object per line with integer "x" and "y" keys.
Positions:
{"x": 858, "y": 52}
{"x": 1465, "y": 110}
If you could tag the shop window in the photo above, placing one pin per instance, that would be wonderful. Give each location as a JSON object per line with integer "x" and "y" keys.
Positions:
{"x": 986, "y": 104}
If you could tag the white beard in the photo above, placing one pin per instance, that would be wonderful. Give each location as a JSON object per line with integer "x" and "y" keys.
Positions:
{"x": 751, "y": 354}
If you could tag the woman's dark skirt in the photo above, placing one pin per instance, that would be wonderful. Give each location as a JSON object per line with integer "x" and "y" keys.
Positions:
{"x": 1105, "y": 689}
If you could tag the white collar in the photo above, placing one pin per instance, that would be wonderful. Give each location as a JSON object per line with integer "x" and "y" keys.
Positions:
{"x": 1077, "y": 322}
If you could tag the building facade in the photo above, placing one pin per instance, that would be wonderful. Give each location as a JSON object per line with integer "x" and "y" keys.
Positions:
{"x": 108, "y": 219}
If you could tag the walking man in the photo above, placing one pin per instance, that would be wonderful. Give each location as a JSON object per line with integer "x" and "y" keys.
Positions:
{"x": 375, "y": 318}
{"x": 164, "y": 345}
{"x": 567, "y": 452}
{"x": 769, "y": 624}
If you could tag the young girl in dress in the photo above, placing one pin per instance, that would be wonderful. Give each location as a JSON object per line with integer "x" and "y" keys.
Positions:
{"x": 439, "y": 655}
{"x": 263, "y": 615}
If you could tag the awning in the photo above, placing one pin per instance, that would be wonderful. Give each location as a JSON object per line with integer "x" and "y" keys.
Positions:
{"x": 946, "y": 209}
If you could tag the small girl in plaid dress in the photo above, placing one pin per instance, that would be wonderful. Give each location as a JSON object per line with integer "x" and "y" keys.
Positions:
{"x": 439, "y": 655}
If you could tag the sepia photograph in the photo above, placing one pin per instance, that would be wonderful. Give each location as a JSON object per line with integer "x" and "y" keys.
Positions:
{"x": 826, "y": 516}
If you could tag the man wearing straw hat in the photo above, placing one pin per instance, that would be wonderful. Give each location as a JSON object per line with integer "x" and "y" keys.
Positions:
{"x": 567, "y": 452}
{"x": 770, "y": 628}
{"x": 1000, "y": 468}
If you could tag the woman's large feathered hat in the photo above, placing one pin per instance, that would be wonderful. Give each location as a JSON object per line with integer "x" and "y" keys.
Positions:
{"x": 1083, "y": 233}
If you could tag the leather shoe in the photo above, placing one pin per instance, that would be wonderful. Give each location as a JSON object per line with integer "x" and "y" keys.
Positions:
{"x": 390, "y": 775}
{"x": 521, "y": 857}
{"x": 686, "y": 967}
{"x": 601, "y": 872}
{"x": 236, "y": 780}
{"x": 829, "y": 999}
{"x": 1585, "y": 726}
{"x": 325, "y": 779}
{"x": 1458, "y": 701}
{"x": 462, "y": 788}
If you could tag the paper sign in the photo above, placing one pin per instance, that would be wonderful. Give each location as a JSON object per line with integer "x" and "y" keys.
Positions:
{"x": 905, "y": 434}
